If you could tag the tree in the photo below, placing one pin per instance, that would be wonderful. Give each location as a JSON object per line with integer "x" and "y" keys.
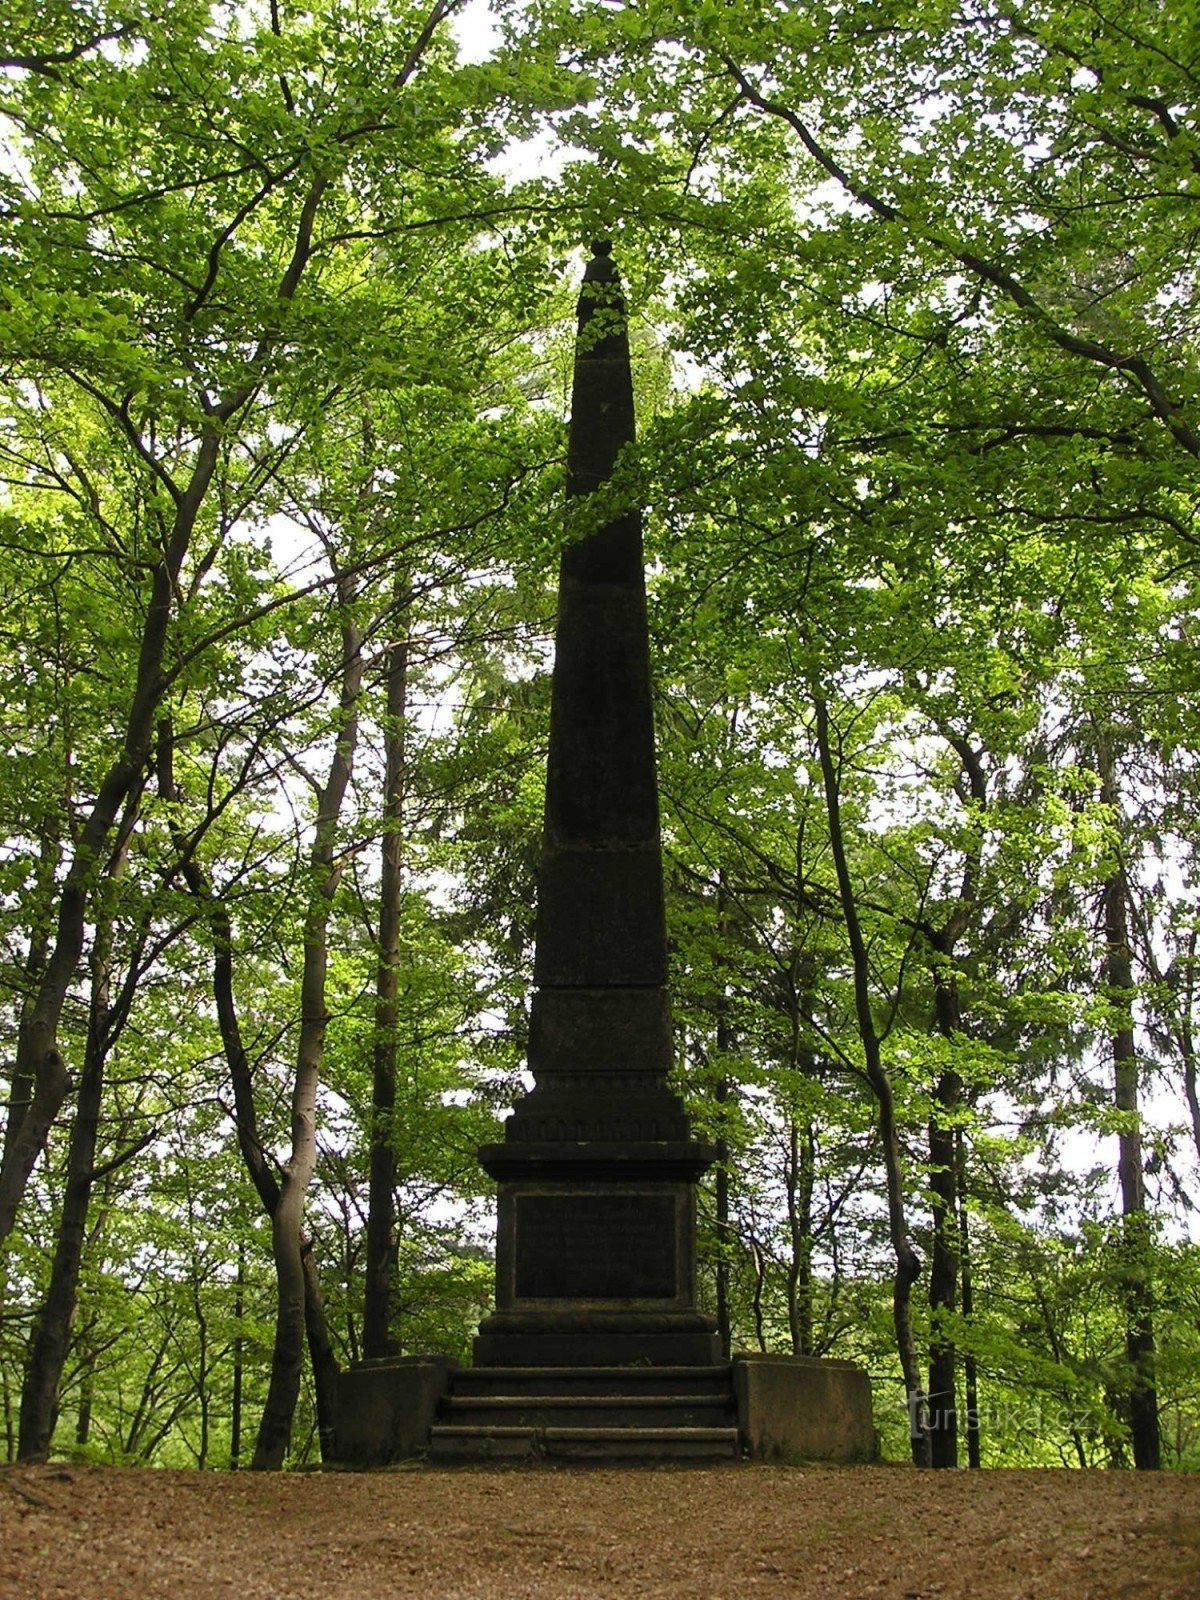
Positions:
{"x": 174, "y": 323}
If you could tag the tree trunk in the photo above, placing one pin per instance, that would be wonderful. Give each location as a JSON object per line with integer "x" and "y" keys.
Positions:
{"x": 1191, "y": 1094}
{"x": 51, "y": 1339}
{"x": 235, "y": 1409}
{"x": 725, "y": 1041}
{"x": 83, "y": 1416}
{"x": 724, "y": 1233}
{"x": 21, "y": 1087}
{"x": 944, "y": 1146}
{"x": 1136, "y": 1244}
{"x": 801, "y": 1167}
{"x": 381, "y": 1201}
{"x": 970, "y": 1365}
{"x": 321, "y": 1354}
{"x": 52, "y": 1326}
{"x": 315, "y": 1324}
{"x": 759, "y": 1266}
{"x": 799, "y": 1186}
{"x": 943, "y": 1266}
{"x": 201, "y": 1369}
{"x": 908, "y": 1262}
{"x": 275, "y": 1429}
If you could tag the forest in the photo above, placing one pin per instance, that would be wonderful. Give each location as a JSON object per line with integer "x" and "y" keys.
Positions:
{"x": 286, "y": 323}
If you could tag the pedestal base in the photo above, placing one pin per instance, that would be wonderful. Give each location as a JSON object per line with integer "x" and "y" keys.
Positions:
{"x": 798, "y": 1408}
{"x": 596, "y": 1256}
{"x": 387, "y": 1407}
{"x": 582, "y": 1337}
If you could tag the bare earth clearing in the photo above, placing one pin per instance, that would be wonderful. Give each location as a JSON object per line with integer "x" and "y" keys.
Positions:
{"x": 75, "y": 1533}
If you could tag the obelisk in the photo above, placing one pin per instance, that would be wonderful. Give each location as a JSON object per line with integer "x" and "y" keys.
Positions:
{"x": 597, "y": 1172}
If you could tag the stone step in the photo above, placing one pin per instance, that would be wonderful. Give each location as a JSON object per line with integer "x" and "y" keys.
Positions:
{"x": 714, "y": 1409}
{"x": 453, "y": 1441}
{"x": 702, "y": 1381}
{"x": 449, "y": 1441}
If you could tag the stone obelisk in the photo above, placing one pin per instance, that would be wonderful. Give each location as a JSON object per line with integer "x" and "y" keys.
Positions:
{"x": 596, "y": 1243}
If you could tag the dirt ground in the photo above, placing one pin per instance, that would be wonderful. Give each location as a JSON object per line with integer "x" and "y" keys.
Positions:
{"x": 888, "y": 1533}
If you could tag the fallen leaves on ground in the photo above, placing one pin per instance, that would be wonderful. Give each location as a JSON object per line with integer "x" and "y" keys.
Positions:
{"x": 475, "y": 1533}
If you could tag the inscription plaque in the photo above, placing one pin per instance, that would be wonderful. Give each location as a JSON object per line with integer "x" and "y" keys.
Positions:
{"x": 595, "y": 1247}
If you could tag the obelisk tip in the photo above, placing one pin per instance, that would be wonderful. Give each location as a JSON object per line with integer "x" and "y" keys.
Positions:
{"x": 601, "y": 268}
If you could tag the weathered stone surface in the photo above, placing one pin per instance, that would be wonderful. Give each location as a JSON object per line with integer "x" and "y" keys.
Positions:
{"x": 800, "y": 1408}
{"x": 571, "y": 1246}
{"x": 386, "y": 1408}
{"x": 598, "y": 1167}
{"x": 555, "y": 1115}
{"x": 600, "y": 919}
{"x": 600, "y": 779}
{"x": 599, "y": 1031}
{"x": 579, "y": 1161}
{"x": 508, "y": 1339}
{"x": 609, "y": 1303}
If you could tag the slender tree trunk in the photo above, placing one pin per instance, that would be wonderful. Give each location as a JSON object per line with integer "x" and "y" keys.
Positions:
{"x": 10, "y": 1419}
{"x": 944, "y": 1145}
{"x": 799, "y": 1192}
{"x": 21, "y": 1087}
{"x": 315, "y": 1323}
{"x": 970, "y": 1365}
{"x": 724, "y": 1094}
{"x": 321, "y": 1353}
{"x": 52, "y": 1326}
{"x": 83, "y": 1415}
{"x": 202, "y": 1379}
{"x": 286, "y": 1223}
{"x": 722, "y": 1091}
{"x": 908, "y": 1262}
{"x": 381, "y": 1202}
{"x": 1187, "y": 1041}
{"x": 759, "y": 1266}
{"x": 235, "y": 1409}
{"x": 200, "y": 1319}
{"x": 801, "y": 1169}
{"x": 1136, "y": 1246}
{"x": 51, "y": 1338}
{"x": 724, "y": 1233}
{"x": 944, "y": 1256}
{"x": 1189, "y": 1083}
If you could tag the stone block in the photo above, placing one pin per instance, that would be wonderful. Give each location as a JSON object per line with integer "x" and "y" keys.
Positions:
{"x": 600, "y": 919}
{"x": 386, "y": 1408}
{"x": 581, "y": 1335}
{"x": 801, "y": 1408}
{"x": 598, "y": 1031}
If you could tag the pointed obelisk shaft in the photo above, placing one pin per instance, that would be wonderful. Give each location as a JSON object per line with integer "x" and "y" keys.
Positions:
{"x": 597, "y": 1170}
{"x": 600, "y": 911}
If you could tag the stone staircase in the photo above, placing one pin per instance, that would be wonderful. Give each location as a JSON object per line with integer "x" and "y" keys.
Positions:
{"x": 587, "y": 1414}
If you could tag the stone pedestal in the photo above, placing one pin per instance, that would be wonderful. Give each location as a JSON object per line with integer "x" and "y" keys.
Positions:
{"x": 799, "y": 1408}
{"x": 596, "y": 1256}
{"x": 387, "y": 1407}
